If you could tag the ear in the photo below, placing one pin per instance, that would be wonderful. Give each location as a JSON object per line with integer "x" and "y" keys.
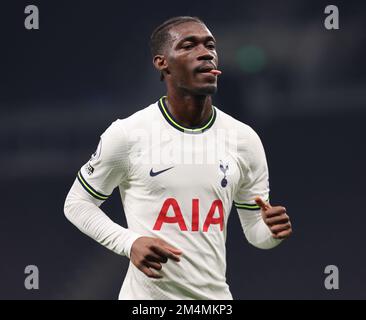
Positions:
{"x": 160, "y": 63}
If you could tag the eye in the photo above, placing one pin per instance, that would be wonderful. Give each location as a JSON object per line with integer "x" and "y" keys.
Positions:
{"x": 188, "y": 45}
{"x": 211, "y": 45}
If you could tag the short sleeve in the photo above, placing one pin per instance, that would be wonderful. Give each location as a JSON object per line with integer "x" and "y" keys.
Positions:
{"x": 108, "y": 165}
{"x": 254, "y": 179}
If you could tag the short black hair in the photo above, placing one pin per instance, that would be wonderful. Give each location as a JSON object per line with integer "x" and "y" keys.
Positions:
{"x": 160, "y": 36}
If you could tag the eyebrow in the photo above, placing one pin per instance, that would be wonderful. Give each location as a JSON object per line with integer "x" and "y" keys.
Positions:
{"x": 195, "y": 38}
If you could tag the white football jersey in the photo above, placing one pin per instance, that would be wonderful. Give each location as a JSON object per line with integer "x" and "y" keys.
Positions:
{"x": 178, "y": 184}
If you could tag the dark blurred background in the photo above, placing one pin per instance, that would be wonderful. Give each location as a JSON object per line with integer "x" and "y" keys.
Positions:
{"x": 300, "y": 86}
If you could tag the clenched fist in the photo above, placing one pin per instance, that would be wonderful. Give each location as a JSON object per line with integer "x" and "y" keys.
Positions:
{"x": 149, "y": 253}
{"x": 276, "y": 219}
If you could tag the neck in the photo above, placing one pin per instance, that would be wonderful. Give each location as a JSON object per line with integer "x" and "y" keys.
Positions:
{"x": 189, "y": 110}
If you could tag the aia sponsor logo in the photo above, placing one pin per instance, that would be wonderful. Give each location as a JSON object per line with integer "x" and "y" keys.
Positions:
{"x": 214, "y": 217}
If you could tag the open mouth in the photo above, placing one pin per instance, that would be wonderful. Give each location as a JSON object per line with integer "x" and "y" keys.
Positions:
{"x": 211, "y": 69}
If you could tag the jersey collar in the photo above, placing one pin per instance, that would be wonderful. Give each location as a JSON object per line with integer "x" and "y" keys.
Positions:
{"x": 192, "y": 130}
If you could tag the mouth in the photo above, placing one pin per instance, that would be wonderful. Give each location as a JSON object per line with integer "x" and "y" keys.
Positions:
{"x": 208, "y": 68}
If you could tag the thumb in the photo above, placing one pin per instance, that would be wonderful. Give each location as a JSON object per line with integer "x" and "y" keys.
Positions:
{"x": 262, "y": 204}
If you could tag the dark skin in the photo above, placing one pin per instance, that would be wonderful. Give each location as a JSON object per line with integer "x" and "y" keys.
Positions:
{"x": 192, "y": 46}
{"x": 188, "y": 65}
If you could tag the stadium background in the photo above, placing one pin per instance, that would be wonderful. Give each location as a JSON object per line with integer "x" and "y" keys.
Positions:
{"x": 299, "y": 85}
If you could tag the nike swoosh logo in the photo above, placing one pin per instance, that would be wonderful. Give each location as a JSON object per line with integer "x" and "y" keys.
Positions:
{"x": 153, "y": 174}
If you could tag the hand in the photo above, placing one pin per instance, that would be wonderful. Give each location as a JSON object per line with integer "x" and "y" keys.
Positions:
{"x": 276, "y": 219}
{"x": 147, "y": 252}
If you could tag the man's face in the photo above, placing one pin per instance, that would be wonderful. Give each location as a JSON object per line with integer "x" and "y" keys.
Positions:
{"x": 190, "y": 56}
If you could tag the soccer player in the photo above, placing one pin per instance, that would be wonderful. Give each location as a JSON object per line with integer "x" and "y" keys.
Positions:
{"x": 179, "y": 164}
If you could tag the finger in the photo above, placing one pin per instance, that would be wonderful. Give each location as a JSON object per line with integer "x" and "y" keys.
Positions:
{"x": 280, "y": 219}
{"x": 165, "y": 253}
{"x": 174, "y": 250}
{"x": 154, "y": 265}
{"x": 170, "y": 247}
{"x": 150, "y": 273}
{"x": 283, "y": 235}
{"x": 276, "y": 229}
{"x": 275, "y": 211}
{"x": 262, "y": 204}
{"x": 153, "y": 257}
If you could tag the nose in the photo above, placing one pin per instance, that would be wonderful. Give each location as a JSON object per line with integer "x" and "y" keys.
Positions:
{"x": 205, "y": 54}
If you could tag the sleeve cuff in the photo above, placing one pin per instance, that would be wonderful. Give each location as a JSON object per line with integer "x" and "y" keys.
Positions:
{"x": 128, "y": 245}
